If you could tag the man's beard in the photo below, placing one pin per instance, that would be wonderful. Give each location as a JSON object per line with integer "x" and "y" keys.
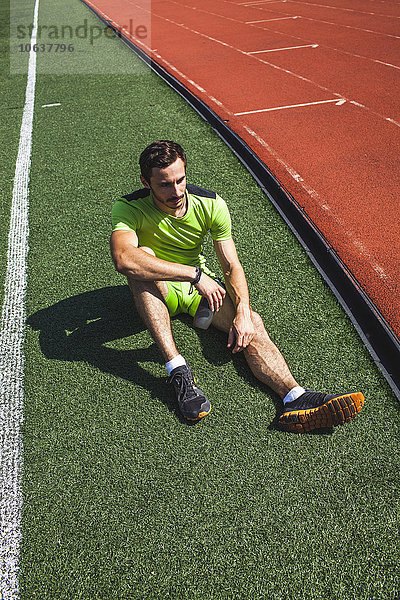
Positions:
{"x": 171, "y": 199}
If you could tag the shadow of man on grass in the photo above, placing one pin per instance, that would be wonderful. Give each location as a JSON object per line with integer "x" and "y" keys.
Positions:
{"x": 78, "y": 329}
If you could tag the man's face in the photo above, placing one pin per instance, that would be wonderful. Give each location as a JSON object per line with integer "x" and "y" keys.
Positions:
{"x": 168, "y": 186}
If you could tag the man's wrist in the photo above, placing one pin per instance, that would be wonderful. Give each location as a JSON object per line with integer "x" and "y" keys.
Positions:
{"x": 196, "y": 279}
{"x": 197, "y": 276}
{"x": 243, "y": 308}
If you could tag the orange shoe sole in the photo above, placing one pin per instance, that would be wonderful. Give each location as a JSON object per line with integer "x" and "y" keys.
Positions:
{"x": 201, "y": 415}
{"x": 334, "y": 412}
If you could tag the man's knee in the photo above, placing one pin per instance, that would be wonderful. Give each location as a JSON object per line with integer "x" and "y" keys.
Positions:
{"x": 257, "y": 322}
{"x": 158, "y": 289}
{"x": 138, "y": 286}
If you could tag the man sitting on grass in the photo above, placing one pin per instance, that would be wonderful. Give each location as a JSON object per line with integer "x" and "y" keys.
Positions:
{"x": 157, "y": 238}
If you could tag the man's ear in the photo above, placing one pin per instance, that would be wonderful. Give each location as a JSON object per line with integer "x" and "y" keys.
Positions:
{"x": 142, "y": 179}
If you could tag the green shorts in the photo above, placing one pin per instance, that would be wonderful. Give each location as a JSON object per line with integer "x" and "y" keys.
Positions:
{"x": 179, "y": 300}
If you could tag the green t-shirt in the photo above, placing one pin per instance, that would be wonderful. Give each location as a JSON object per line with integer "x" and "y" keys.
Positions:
{"x": 171, "y": 238}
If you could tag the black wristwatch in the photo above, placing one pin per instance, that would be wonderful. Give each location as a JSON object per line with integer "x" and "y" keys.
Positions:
{"x": 199, "y": 273}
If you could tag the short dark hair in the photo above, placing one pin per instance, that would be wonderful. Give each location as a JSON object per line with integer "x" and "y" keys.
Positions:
{"x": 160, "y": 154}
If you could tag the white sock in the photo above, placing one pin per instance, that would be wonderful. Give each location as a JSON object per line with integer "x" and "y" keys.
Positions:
{"x": 177, "y": 361}
{"x": 293, "y": 394}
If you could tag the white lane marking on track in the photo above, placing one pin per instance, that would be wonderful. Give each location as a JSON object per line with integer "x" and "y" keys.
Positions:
{"x": 272, "y": 65}
{"x": 253, "y": 4}
{"x": 50, "y": 105}
{"x": 217, "y": 102}
{"x": 258, "y": 2}
{"x": 385, "y": 63}
{"x": 11, "y": 348}
{"x": 361, "y": 247}
{"x": 397, "y": 37}
{"x": 287, "y": 48}
{"x": 380, "y": 62}
{"x": 339, "y": 50}
{"x": 268, "y": 20}
{"x": 260, "y": 110}
{"x": 362, "y": 12}
{"x": 196, "y": 85}
{"x": 325, "y": 22}
{"x": 357, "y": 104}
{"x": 393, "y": 121}
{"x": 306, "y": 79}
{"x": 292, "y": 172}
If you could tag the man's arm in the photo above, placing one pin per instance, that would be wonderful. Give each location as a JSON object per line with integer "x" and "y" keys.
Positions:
{"x": 135, "y": 263}
{"x": 242, "y": 329}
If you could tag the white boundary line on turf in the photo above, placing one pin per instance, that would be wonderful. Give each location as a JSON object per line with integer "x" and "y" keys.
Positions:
{"x": 11, "y": 348}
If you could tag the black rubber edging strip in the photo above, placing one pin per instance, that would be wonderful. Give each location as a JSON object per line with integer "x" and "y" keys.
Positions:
{"x": 371, "y": 326}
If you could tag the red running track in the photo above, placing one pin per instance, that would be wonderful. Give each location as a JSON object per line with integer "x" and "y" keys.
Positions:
{"x": 313, "y": 88}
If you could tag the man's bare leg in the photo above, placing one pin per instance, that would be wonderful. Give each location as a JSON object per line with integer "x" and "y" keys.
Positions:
{"x": 149, "y": 300}
{"x": 305, "y": 411}
{"x": 263, "y": 357}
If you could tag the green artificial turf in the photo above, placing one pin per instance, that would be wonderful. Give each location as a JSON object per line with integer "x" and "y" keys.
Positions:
{"x": 122, "y": 498}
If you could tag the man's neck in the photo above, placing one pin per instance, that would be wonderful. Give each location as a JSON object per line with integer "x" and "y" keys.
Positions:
{"x": 181, "y": 212}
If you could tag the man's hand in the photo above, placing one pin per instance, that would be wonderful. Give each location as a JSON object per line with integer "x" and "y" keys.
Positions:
{"x": 211, "y": 290}
{"x": 242, "y": 331}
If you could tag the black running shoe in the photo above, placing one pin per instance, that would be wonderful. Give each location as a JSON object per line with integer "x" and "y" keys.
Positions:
{"x": 313, "y": 410}
{"x": 192, "y": 402}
